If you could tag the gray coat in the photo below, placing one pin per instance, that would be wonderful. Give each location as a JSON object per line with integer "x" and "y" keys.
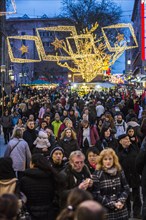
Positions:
{"x": 18, "y": 150}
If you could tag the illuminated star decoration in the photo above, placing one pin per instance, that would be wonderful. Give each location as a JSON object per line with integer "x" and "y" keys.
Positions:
{"x": 120, "y": 37}
{"x": 57, "y": 43}
{"x": 24, "y": 49}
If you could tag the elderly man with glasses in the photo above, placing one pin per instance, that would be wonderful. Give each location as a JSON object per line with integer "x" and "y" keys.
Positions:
{"x": 76, "y": 174}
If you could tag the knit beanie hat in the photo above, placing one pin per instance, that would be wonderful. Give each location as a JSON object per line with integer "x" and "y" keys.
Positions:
{"x": 56, "y": 148}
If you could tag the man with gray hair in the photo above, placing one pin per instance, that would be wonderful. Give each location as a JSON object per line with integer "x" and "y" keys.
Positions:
{"x": 76, "y": 174}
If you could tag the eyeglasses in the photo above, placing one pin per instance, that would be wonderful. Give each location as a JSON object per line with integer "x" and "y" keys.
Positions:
{"x": 78, "y": 162}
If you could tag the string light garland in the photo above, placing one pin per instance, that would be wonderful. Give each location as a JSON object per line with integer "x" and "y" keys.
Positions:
{"x": 116, "y": 46}
{"x": 89, "y": 56}
{"x": 92, "y": 57}
{"x": 10, "y": 12}
{"x": 23, "y": 49}
{"x": 49, "y": 57}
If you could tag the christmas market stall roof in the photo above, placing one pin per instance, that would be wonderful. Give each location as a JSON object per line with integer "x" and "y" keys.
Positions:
{"x": 41, "y": 83}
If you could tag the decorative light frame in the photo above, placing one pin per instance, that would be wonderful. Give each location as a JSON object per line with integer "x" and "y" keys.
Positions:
{"x": 50, "y": 57}
{"x": 10, "y": 12}
{"x": 121, "y": 25}
{"x": 76, "y": 39}
{"x": 24, "y": 37}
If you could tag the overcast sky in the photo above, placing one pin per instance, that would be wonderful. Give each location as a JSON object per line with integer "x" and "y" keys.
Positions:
{"x": 52, "y": 8}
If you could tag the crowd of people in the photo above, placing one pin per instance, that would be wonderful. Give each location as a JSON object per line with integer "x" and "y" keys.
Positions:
{"x": 73, "y": 158}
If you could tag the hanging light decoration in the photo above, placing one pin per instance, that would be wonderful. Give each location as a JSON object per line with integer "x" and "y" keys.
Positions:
{"x": 92, "y": 57}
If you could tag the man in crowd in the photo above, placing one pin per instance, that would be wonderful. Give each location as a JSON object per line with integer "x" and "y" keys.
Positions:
{"x": 30, "y": 134}
{"x": 76, "y": 174}
{"x": 127, "y": 154}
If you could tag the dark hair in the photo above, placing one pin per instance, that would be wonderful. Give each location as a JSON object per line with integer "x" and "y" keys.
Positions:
{"x": 75, "y": 197}
{"x": 8, "y": 206}
{"x": 41, "y": 162}
{"x": 103, "y": 130}
{"x": 6, "y": 168}
{"x": 94, "y": 150}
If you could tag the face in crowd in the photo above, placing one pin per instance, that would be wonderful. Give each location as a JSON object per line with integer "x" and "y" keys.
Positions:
{"x": 92, "y": 158}
{"x": 108, "y": 161}
{"x": 107, "y": 133}
{"x": 43, "y": 124}
{"x": 125, "y": 142}
{"x": 57, "y": 157}
{"x": 68, "y": 133}
{"x": 30, "y": 125}
{"x": 131, "y": 132}
{"x": 77, "y": 163}
{"x": 47, "y": 119}
{"x": 119, "y": 119}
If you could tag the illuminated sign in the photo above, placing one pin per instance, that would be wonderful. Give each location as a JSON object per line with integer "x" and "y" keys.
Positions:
{"x": 143, "y": 29}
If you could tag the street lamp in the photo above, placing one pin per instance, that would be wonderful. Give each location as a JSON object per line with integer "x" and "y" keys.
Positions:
{"x": 20, "y": 75}
{"x": 11, "y": 79}
{"x": 25, "y": 76}
{"x": 11, "y": 75}
{"x": 3, "y": 70}
{"x": 129, "y": 62}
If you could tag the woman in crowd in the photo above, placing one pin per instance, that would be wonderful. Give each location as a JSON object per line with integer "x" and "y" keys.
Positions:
{"x": 99, "y": 126}
{"x": 42, "y": 126}
{"x": 68, "y": 142}
{"x": 91, "y": 161}
{"x": 19, "y": 152}
{"x": 67, "y": 123}
{"x": 19, "y": 125}
{"x": 109, "y": 122}
{"x": 110, "y": 187}
{"x": 107, "y": 139}
{"x": 132, "y": 136}
{"x": 88, "y": 136}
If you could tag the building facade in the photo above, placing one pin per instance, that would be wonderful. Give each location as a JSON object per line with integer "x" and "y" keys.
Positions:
{"x": 26, "y": 72}
{"x": 137, "y": 64}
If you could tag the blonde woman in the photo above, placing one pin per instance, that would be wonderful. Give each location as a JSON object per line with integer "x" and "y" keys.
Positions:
{"x": 67, "y": 123}
{"x": 68, "y": 141}
{"x": 110, "y": 185}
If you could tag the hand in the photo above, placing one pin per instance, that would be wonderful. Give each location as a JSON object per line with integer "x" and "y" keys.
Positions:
{"x": 84, "y": 185}
{"x": 119, "y": 205}
{"x": 90, "y": 182}
{"x": 45, "y": 149}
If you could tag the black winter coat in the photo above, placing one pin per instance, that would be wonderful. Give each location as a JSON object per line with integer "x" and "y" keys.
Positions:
{"x": 141, "y": 168}
{"x": 72, "y": 179}
{"x": 29, "y": 135}
{"x": 38, "y": 186}
{"x": 68, "y": 146}
{"x": 107, "y": 143}
{"x": 127, "y": 158}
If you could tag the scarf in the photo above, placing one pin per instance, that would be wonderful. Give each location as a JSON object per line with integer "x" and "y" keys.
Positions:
{"x": 67, "y": 139}
{"x": 112, "y": 171}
